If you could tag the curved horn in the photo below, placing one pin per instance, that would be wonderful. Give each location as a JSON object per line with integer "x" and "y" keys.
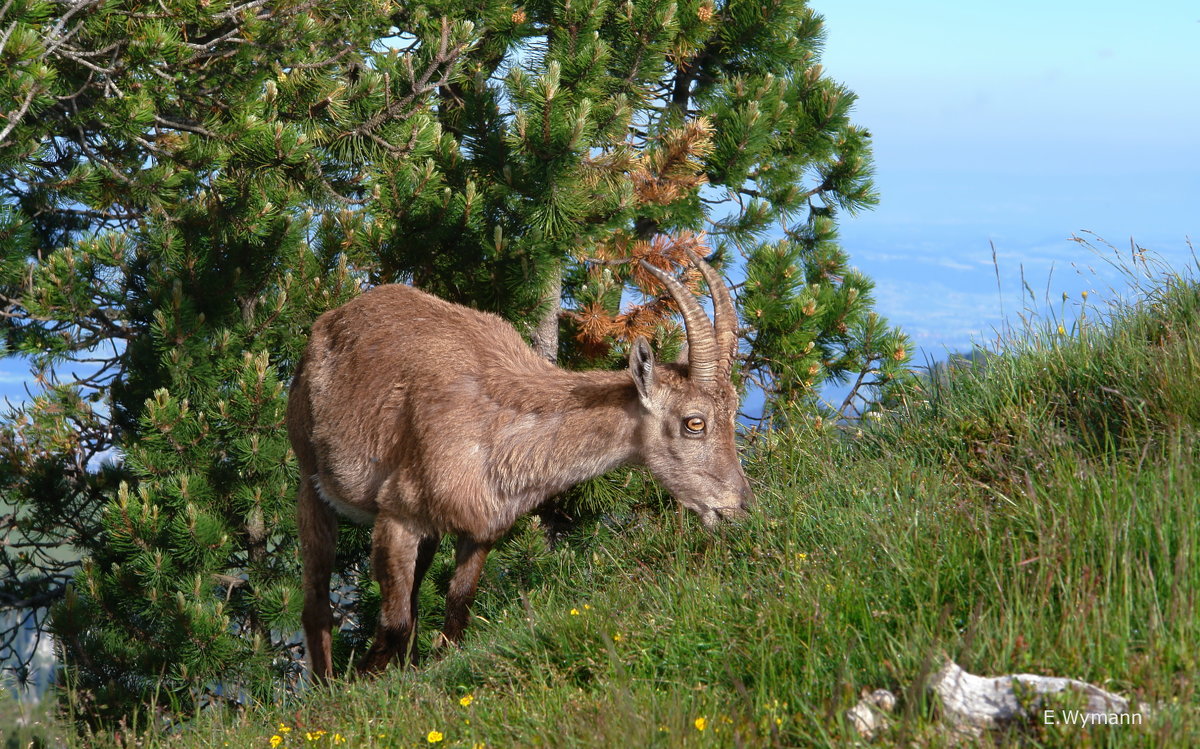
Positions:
{"x": 724, "y": 315}
{"x": 701, "y": 339}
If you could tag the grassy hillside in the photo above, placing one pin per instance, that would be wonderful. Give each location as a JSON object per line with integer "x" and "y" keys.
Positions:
{"x": 1039, "y": 513}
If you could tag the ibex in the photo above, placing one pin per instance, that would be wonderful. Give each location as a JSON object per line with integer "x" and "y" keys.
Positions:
{"x": 425, "y": 417}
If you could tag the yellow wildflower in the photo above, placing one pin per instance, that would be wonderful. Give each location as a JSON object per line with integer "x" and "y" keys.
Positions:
{"x": 276, "y": 740}
{"x": 587, "y": 607}
{"x": 284, "y": 728}
{"x": 339, "y": 739}
{"x": 701, "y": 723}
{"x": 465, "y": 700}
{"x": 616, "y": 636}
{"x": 434, "y": 737}
{"x": 574, "y": 612}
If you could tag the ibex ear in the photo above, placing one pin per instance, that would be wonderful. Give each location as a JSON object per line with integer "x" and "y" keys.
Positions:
{"x": 641, "y": 367}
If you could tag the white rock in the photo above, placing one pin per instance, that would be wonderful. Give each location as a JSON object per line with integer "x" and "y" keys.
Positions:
{"x": 978, "y": 702}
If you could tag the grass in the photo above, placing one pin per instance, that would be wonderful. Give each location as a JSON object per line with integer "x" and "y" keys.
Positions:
{"x": 1036, "y": 513}
{"x": 24, "y": 725}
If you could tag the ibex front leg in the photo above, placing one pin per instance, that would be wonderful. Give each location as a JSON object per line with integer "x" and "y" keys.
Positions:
{"x": 425, "y": 551}
{"x": 469, "y": 557}
{"x": 395, "y": 552}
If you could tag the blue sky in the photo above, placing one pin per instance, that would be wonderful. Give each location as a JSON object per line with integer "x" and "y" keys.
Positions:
{"x": 1020, "y": 124}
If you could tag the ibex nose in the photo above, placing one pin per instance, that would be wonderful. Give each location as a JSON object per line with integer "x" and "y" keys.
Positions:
{"x": 746, "y": 496}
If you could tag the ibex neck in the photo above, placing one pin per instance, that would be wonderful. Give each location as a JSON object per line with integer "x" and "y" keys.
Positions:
{"x": 577, "y": 425}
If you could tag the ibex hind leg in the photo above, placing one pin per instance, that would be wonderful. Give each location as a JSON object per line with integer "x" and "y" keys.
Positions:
{"x": 470, "y": 555}
{"x": 317, "y": 524}
{"x": 396, "y": 559}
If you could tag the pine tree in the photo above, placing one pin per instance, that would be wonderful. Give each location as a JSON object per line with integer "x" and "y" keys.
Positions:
{"x": 586, "y": 136}
{"x": 186, "y": 187}
{"x": 174, "y": 180}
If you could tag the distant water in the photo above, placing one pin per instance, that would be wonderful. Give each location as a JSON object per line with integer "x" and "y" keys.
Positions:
{"x": 951, "y": 295}
{"x": 928, "y": 245}
{"x": 29, "y": 648}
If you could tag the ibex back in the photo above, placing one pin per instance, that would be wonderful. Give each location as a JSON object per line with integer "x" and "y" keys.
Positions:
{"x": 424, "y": 417}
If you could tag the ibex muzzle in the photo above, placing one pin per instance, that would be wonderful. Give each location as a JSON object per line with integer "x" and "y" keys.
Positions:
{"x": 423, "y": 418}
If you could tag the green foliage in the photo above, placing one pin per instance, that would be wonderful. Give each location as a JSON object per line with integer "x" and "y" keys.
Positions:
{"x": 813, "y": 324}
{"x": 561, "y": 103}
{"x": 1125, "y": 390}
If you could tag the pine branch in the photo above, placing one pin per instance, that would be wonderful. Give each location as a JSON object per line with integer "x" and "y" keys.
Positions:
{"x": 189, "y": 127}
{"x": 14, "y": 117}
{"x": 443, "y": 60}
{"x": 862, "y": 375}
{"x": 49, "y": 589}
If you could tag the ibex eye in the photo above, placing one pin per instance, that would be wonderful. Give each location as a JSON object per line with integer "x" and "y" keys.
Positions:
{"x": 694, "y": 424}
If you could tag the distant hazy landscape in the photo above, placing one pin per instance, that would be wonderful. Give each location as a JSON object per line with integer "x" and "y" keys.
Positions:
{"x": 1019, "y": 124}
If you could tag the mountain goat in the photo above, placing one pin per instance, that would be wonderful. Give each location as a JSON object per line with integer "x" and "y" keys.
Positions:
{"x": 423, "y": 417}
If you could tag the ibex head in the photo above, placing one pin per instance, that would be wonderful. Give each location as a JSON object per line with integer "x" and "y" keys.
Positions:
{"x": 687, "y": 433}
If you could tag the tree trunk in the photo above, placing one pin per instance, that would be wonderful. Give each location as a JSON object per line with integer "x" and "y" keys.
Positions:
{"x": 556, "y": 522}
{"x": 545, "y": 336}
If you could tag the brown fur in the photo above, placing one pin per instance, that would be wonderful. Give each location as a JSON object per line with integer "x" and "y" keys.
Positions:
{"x": 424, "y": 418}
